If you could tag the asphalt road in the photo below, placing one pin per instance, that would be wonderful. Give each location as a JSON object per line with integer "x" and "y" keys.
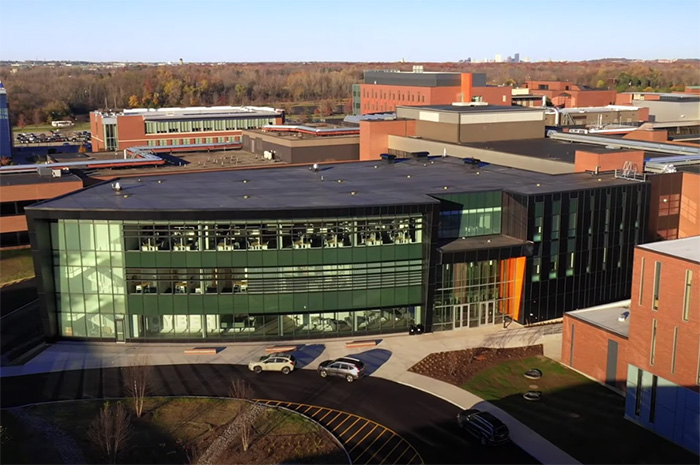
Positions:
{"x": 426, "y": 422}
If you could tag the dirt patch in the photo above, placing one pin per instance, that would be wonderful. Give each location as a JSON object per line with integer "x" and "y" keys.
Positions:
{"x": 459, "y": 366}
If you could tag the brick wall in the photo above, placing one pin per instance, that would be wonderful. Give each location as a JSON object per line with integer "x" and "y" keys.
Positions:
{"x": 590, "y": 351}
{"x": 668, "y": 316}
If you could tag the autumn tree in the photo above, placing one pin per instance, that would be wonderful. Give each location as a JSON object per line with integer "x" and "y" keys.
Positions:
{"x": 134, "y": 101}
{"x": 21, "y": 121}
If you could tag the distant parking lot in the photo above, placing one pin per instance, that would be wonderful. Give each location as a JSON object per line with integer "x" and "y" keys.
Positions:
{"x": 55, "y": 136}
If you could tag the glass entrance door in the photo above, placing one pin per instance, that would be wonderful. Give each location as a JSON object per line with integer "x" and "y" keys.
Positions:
{"x": 486, "y": 312}
{"x": 119, "y": 329}
{"x": 460, "y": 315}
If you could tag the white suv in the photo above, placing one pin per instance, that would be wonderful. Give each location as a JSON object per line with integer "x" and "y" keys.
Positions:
{"x": 274, "y": 362}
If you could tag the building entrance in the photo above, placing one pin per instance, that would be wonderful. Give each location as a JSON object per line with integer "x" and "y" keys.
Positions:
{"x": 473, "y": 315}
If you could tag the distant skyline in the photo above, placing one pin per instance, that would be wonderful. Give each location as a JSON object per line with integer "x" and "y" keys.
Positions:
{"x": 352, "y": 30}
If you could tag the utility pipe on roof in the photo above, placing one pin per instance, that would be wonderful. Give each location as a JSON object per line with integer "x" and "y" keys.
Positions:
{"x": 624, "y": 143}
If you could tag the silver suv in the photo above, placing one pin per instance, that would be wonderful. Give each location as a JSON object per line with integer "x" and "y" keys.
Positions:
{"x": 347, "y": 367}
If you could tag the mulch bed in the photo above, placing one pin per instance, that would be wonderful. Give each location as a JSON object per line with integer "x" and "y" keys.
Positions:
{"x": 458, "y": 366}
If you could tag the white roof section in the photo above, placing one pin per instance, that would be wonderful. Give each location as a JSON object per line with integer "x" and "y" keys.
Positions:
{"x": 607, "y": 108}
{"x": 686, "y": 249}
{"x": 196, "y": 110}
{"x": 190, "y": 112}
{"x": 614, "y": 317}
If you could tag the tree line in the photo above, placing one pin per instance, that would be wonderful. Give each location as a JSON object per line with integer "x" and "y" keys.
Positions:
{"x": 44, "y": 93}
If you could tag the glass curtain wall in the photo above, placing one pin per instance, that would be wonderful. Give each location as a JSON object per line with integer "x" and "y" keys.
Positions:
{"x": 472, "y": 294}
{"x": 88, "y": 272}
{"x": 262, "y": 278}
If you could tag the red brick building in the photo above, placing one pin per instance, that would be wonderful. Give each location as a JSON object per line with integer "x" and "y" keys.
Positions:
{"x": 566, "y": 94}
{"x": 176, "y": 126}
{"x": 383, "y": 90}
{"x": 649, "y": 346}
{"x": 18, "y": 190}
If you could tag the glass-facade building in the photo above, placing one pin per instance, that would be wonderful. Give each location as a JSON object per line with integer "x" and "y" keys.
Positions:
{"x": 351, "y": 249}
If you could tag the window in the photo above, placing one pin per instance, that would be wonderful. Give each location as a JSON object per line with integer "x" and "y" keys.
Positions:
{"x": 652, "y": 354}
{"x": 638, "y": 396}
{"x": 657, "y": 285}
{"x": 686, "y": 294}
{"x": 641, "y": 282}
{"x": 673, "y": 353}
{"x": 652, "y": 407}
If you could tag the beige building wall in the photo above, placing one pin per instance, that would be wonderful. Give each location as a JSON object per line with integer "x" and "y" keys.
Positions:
{"x": 409, "y": 144}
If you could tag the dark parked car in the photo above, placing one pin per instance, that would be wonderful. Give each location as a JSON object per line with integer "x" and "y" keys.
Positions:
{"x": 485, "y": 427}
{"x": 347, "y": 367}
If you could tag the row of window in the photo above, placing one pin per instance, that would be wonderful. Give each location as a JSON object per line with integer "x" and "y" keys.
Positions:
{"x": 687, "y": 287}
{"x": 379, "y": 320}
{"x": 15, "y": 208}
{"x": 407, "y": 96}
{"x": 195, "y": 140}
{"x": 306, "y": 234}
{"x": 79, "y": 280}
{"x": 165, "y": 127}
{"x": 275, "y": 279}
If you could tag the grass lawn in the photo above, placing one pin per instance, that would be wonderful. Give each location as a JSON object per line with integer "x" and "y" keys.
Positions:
{"x": 581, "y": 417}
{"x": 167, "y": 431}
{"x": 36, "y": 128}
{"x": 15, "y": 264}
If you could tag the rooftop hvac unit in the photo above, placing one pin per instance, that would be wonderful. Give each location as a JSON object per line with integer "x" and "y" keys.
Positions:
{"x": 56, "y": 173}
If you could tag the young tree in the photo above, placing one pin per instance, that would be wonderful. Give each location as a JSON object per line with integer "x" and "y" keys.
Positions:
{"x": 110, "y": 430}
{"x": 137, "y": 378}
{"x": 21, "y": 121}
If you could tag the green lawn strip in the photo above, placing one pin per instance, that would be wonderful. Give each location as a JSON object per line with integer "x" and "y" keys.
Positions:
{"x": 15, "y": 264}
{"x": 160, "y": 436}
{"x": 581, "y": 417}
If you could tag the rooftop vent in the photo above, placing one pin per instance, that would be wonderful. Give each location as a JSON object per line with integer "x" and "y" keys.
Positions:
{"x": 116, "y": 187}
{"x": 387, "y": 157}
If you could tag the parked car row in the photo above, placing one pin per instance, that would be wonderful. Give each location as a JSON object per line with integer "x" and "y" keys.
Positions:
{"x": 349, "y": 368}
{"x": 53, "y": 136}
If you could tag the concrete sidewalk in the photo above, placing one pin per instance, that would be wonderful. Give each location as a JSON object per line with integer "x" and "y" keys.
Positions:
{"x": 400, "y": 352}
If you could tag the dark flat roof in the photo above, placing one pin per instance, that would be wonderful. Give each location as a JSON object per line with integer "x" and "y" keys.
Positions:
{"x": 550, "y": 149}
{"x": 492, "y": 241}
{"x": 375, "y": 183}
{"x": 471, "y": 109}
{"x": 26, "y": 179}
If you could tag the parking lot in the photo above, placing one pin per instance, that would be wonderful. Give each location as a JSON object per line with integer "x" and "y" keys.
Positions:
{"x": 56, "y": 136}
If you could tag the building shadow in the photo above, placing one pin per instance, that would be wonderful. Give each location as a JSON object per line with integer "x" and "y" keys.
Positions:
{"x": 373, "y": 359}
{"x": 307, "y": 354}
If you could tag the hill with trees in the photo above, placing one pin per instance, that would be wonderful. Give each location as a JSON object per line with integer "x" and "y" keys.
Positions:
{"x": 41, "y": 93}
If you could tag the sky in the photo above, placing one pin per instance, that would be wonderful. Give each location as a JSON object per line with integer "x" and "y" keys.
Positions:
{"x": 347, "y": 30}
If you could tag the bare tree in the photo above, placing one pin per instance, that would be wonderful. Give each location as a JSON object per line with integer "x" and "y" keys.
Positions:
{"x": 245, "y": 423}
{"x": 453, "y": 362}
{"x": 110, "y": 430}
{"x": 137, "y": 379}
